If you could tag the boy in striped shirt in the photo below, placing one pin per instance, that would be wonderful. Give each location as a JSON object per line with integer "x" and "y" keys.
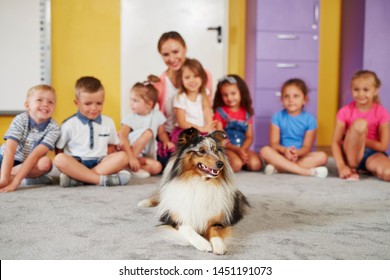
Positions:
{"x": 31, "y": 135}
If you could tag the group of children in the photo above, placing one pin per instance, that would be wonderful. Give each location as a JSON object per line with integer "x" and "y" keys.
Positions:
{"x": 89, "y": 150}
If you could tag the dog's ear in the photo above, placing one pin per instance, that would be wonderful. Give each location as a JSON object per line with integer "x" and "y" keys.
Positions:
{"x": 187, "y": 135}
{"x": 220, "y": 136}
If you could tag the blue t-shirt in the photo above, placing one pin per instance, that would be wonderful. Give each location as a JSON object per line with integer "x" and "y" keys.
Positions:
{"x": 293, "y": 128}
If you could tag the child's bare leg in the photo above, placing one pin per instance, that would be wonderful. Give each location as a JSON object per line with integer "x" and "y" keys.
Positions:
{"x": 235, "y": 161}
{"x": 76, "y": 170}
{"x": 139, "y": 145}
{"x": 313, "y": 159}
{"x": 254, "y": 163}
{"x": 113, "y": 163}
{"x": 281, "y": 163}
{"x": 152, "y": 166}
{"x": 354, "y": 143}
{"x": 43, "y": 166}
{"x": 379, "y": 165}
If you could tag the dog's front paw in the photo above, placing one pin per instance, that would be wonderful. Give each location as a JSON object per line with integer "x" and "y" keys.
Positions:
{"x": 202, "y": 245}
{"x": 149, "y": 202}
{"x": 219, "y": 247}
{"x": 145, "y": 203}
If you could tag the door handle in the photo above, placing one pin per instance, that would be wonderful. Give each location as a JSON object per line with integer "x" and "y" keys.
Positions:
{"x": 287, "y": 37}
{"x": 219, "y": 32}
{"x": 286, "y": 65}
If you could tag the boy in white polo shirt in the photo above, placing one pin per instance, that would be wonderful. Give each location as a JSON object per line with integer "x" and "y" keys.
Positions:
{"x": 86, "y": 138}
{"x": 31, "y": 135}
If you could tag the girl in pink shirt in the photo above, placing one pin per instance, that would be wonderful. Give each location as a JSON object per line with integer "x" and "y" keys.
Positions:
{"x": 361, "y": 135}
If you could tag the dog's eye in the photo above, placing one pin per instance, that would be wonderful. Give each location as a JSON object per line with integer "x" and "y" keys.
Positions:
{"x": 202, "y": 151}
{"x": 219, "y": 149}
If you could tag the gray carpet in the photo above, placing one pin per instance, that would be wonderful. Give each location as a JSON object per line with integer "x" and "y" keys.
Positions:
{"x": 292, "y": 217}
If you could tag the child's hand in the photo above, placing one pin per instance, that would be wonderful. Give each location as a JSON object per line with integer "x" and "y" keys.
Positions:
{"x": 243, "y": 154}
{"x": 168, "y": 145}
{"x": 213, "y": 125}
{"x": 2, "y": 183}
{"x": 134, "y": 164}
{"x": 345, "y": 172}
{"x": 120, "y": 145}
{"x": 10, "y": 188}
{"x": 291, "y": 154}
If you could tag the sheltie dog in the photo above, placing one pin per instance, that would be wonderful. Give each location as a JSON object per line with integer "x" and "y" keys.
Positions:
{"x": 197, "y": 196}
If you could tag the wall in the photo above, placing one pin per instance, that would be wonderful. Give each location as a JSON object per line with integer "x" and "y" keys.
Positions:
{"x": 86, "y": 41}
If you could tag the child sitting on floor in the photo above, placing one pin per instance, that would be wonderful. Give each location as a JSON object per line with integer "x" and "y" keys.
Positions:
{"x": 292, "y": 134}
{"x": 31, "y": 135}
{"x": 139, "y": 130}
{"x": 361, "y": 135}
{"x": 83, "y": 148}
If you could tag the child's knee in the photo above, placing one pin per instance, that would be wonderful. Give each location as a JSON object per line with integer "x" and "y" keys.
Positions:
{"x": 122, "y": 157}
{"x": 156, "y": 168}
{"x": 384, "y": 174}
{"x": 59, "y": 160}
{"x": 265, "y": 151}
{"x": 254, "y": 166}
{"x": 45, "y": 164}
{"x": 359, "y": 126}
{"x": 322, "y": 158}
{"x": 236, "y": 165}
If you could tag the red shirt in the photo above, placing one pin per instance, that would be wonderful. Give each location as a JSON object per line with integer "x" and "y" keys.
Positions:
{"x": 239, "y": 115}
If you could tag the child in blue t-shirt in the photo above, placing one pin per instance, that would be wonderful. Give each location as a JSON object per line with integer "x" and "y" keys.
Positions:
{"x": 292, "y": 135}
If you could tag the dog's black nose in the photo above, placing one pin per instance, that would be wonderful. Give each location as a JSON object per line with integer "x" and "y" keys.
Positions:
{"x": 219, "y": 164}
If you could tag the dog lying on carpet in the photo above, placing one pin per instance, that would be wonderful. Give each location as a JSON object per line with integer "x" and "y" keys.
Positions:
{"x": 197, "y": 196}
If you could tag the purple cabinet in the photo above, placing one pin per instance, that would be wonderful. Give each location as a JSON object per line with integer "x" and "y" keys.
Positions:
{"x": 286, "y": 47}
{"x": 376, "y": 56}
{"x": 287, "y": 15}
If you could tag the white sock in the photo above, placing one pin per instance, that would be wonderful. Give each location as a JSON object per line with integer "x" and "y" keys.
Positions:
{"x": 102, "y": 180}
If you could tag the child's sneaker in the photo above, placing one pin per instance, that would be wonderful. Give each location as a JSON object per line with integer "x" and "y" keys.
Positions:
{"x": 41, "y": 180}
{"x": 119, "y": 179}
{"x": 140, "y": 174}
{"x": 270, "y": 169}
{"x": 66, "y": 181}
{"x": 319, "y": 172}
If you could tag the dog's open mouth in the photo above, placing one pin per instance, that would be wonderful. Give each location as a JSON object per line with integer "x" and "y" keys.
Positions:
{"x": 210, "y": 171}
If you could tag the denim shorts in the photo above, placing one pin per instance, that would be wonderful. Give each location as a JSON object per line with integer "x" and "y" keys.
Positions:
{"x": 16, "y": 162}
{"x": 367, "y": 153}
{"x": 90, "y": 163}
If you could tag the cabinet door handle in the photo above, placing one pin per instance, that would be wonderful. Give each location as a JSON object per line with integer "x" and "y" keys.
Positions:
{"x": 286, "y": 65}
{"x": 316, "y": 16}
{"x": 287, "y": 37}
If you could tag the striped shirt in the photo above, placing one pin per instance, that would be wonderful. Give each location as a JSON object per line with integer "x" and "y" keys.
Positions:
{"x": 29, "y": 134}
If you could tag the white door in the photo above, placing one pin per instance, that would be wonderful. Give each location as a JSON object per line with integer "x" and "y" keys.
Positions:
{"x": 143, "y": 22}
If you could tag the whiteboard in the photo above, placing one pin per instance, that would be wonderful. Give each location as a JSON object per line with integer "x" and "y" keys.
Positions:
{"x": 24, "y": 50}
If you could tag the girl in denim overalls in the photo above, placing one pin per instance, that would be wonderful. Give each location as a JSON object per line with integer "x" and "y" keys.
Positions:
{"x": 233, "y": 112}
